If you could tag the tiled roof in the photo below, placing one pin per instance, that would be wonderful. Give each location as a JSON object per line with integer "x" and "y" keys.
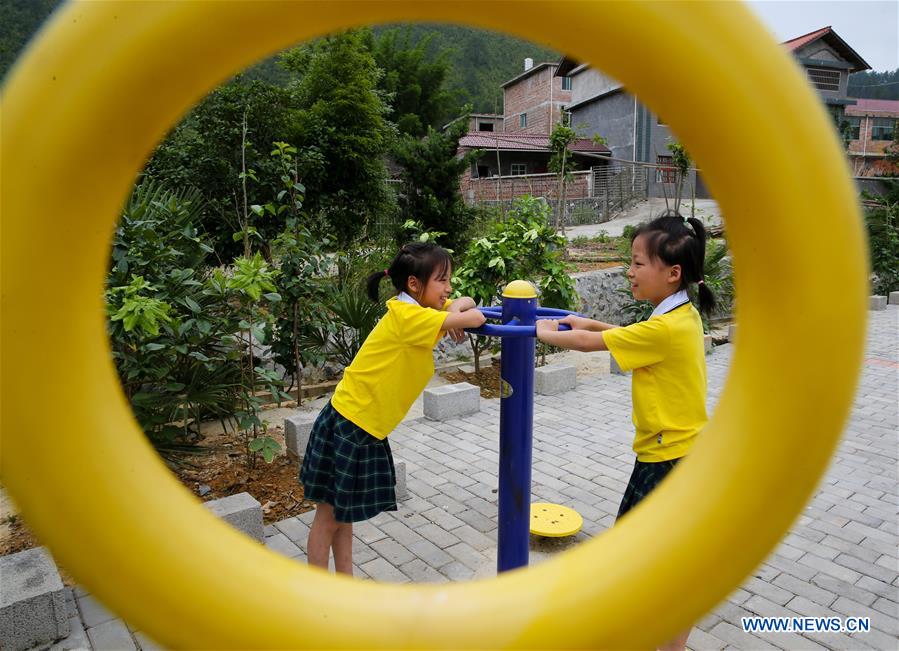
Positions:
{"x": 799, "y": 41}
{"x": 833, "y": 40}
{"x": 523, "y": 142}
{"x": 863, "y": 105}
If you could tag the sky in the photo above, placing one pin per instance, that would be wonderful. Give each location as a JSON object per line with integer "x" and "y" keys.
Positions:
{"x": 871, "y": 28}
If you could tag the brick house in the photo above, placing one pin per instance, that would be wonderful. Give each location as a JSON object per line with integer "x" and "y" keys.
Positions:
{"x": 534, "y": 101}
{"x": 636, "y": 135}
{"x": 872, "y": 123}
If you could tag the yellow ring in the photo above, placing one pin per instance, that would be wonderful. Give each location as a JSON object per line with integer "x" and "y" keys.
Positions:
{"x": 100, "y": 87}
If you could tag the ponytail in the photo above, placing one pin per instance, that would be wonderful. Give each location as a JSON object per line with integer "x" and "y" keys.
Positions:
{"x": 373, "y": 284}
{"x": 706, "y": 296}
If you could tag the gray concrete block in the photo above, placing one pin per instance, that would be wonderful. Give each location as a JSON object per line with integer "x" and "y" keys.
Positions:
{"x": 554, "y": 378}
{"x": 613, "y": 366}
{"x": 732, "y": 333}
{"x": 241, "y": 511}
{"x": 402, "y": 493}
{"x": 451, "y": 401}
{"x": 296, "y": 432}
{"x": 707, "y": 343}
{"x": 33, "y": 607}
{"x": 878, "y": 303}
{"x": 893, "y": 298}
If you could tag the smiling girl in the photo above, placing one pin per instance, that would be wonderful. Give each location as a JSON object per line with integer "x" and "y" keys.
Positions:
{"x": 348, "y": 466}
{"x": 666, "y": 352}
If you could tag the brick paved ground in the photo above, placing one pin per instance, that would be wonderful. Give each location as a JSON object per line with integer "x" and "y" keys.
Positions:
{"x": 840, "y": 558}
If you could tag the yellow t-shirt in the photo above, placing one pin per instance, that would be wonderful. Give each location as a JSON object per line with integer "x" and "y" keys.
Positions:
{"x": 391, "y": 369}
{"x": 667, "y": 355}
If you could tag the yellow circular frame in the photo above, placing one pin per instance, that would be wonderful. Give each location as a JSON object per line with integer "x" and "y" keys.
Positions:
{"x": 100, "y": 87}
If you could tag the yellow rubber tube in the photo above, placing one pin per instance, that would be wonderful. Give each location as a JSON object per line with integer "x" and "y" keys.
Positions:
{"x": 99, "y": 88}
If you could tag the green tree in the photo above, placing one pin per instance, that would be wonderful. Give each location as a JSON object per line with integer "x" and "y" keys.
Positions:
{"x": 412, "y": 81}
{"x": 523, "y": 246}
{"x": 430, "y": 195}
{"x": 227, "y": 134}
{"x": 343, "y": 119}
{"x": 562, "y": 164}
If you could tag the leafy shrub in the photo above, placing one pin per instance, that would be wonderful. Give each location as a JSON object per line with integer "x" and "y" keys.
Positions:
{"x": 523, "y": 246}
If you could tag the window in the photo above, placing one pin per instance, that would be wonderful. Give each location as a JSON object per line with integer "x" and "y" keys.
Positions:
{"x": 855, "y": 124}
{"x": 665, "y": 172}
{"x": 519, "y": 168}
{"x": 485, "y": 126}
{"x": 565, "y": 117}
{"x": 523, "y": 120}
{"x": 824, "y": 79}
{"x": 882, "y": 129}
{"x": 566, "y": 83}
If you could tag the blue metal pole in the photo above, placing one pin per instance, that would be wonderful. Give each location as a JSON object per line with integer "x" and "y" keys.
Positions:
{"x": 516, "y": 428}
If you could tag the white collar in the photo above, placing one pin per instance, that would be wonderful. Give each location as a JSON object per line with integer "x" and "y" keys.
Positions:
{"x": 675, "y": 300}
{"x": 405, "y": 298}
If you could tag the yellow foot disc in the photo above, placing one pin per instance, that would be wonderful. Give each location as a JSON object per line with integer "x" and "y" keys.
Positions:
{"x": 554, "y": 520}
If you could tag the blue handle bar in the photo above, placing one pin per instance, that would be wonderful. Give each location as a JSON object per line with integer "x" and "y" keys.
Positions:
{"x": 489, "y": 330}
{"x": 511, "y": 329}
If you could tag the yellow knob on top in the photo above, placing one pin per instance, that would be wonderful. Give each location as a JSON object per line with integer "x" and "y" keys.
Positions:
{"x": 520, "y": 289}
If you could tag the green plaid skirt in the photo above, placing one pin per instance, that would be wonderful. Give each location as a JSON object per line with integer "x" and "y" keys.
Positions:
{"x": 644, "y": 479}
{"x": 348, "y": 468}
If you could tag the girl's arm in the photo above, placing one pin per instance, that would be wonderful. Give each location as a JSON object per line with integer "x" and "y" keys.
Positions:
{"x": 583, "y": 323}
{"x": 584, "y": 340}
{"x": 467, "y": 318}
{"x": 461, "y": 304}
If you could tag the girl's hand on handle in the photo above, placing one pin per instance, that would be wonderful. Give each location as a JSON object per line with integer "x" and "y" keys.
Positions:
{"x": 576, "y": 322}
{"x": 470, "y": 318}
{"x": 548, "y": 325}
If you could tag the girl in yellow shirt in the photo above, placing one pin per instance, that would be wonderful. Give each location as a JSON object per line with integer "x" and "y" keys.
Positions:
{"x": 666, "y": 353}
{"x": 348, "y": 467}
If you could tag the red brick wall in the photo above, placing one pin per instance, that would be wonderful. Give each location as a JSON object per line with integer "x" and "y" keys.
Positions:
{"x": 531, "y": 95}
{"x": 510, "y": 187}
{"x": 861, "y": 164}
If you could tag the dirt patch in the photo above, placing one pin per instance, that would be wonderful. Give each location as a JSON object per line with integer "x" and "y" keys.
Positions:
{"x": 593, "y": 266}
{"x": 487, "y": 379}
{"x": 217, "y": 468}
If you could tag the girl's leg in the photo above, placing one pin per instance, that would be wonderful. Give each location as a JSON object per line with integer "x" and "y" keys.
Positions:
{"x": 343, "y": 548}
{"x": 321, "y": 536}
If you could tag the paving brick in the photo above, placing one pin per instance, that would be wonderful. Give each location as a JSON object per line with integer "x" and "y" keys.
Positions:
{"x": 392, "y": 551}
{"x": 839, "y": 587}
{"x": 805, "y": 589}
{"x": 282, "y": 544}
{"x": 93, "y": 612}
{"x": 400, "y": 533}
{"x": 380, "y": 570}
{"x": 296, "y": 530}
{"x": 443, "y": 519}
{"x": 476, "y": 539}
{"x": 457, "y": 571}
{"x": 437, "y": 535}
{"x": 367, "y": 532}
{"x": 112, "y": 636}
{"x": 740, "y": 640}
{"x": 831, "y": 568}
{"x": 467, "y": 555}
{"x": 431, "y": 553}
{"x": 421, "y": 572}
